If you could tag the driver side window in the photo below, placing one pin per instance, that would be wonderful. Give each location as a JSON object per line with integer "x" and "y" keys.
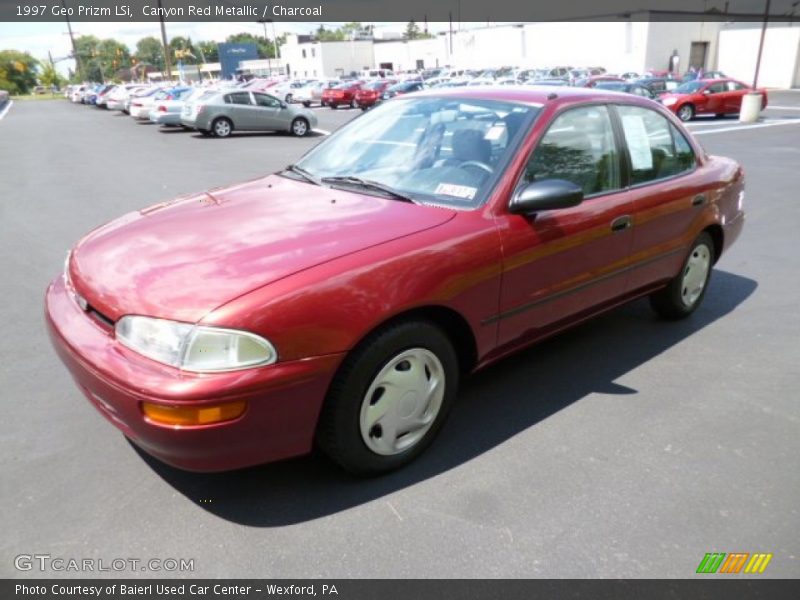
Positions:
{"x": 579, "y": 147}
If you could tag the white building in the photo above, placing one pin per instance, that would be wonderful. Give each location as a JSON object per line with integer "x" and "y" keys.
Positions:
{"x": 305, "y": 57}
{"x": 780, "y": 62}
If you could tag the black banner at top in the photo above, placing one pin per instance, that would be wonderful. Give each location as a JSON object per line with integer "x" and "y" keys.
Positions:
{"x": 318, "y": 11}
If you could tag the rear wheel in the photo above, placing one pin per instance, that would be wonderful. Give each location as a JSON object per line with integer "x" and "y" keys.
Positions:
{"x": 686, "y": 112}
{"x": 686, "y": 291}
{"x": 353, "y": 103}
{"x": 288, "y": 98}
{"x": 306, "y": 104}
{"x": 389, "y": 398}
{"x": 222, "y": 127}
{"x": 300, "y": 127}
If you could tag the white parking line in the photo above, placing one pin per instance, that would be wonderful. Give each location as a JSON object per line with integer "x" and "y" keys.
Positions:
{"x": 322, "y": 131}
{"x": 6, "y": 109}
{"x": 783, "y": 107}
{"x": 746, "y": 127}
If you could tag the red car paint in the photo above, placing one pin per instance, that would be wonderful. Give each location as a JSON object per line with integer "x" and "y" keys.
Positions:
{"x": 369, "y": 96}
{"x": 341, "y": 95}
{"x": 315, "y": 270}
{"x": 707, "y": 101}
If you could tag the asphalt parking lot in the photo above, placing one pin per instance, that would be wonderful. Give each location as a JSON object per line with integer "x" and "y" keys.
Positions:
{"x": 627, "y": 447}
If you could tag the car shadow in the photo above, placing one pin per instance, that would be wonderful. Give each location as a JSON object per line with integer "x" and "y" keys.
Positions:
{"x": 260, "y": 134}
{"x": 494, "y": 405}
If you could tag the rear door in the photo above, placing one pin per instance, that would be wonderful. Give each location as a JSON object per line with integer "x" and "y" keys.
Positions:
{"x": 733, "y": 96}
{"x": 664, "y": 190}
{"x": 241, "y": 110}
{"x": 560, "y": 264}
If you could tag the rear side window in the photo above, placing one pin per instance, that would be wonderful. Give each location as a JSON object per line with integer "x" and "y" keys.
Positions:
{"x": 578, "y": 147}
{"x": 238, "y": 98}
{"x": 735, "y": 86}
{"x": 656, "y": 149}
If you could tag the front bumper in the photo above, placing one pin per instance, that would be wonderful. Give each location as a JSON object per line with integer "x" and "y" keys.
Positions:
{"x": 283, "y": 400}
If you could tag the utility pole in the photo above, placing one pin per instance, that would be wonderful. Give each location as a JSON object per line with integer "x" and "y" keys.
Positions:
{"x": 72, "y": 39}
{"x": 167, "y": 64}
{"x": 274, "y": 44}
{"x": 761, "y": 45}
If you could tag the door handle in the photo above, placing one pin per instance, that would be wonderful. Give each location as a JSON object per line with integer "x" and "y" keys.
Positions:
{"x": 699, "y": 200}
{"x": 621, "y": 223}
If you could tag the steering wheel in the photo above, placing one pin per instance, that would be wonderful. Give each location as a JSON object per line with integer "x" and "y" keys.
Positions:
{"x": 478, "y": 164}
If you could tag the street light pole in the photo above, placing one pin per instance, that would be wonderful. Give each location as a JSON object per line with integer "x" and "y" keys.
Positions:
{"x": 761, "y": 45}
{"x": 266, "y": 39}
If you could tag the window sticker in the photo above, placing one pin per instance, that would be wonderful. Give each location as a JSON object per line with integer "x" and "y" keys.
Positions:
{"x": 638, "y": 142}
{"x": 457, "y": 191}
{"x": 494, "y": 132}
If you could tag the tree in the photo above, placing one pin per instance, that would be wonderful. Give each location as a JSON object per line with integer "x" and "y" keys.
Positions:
{"x": 101, "y": 59}
{"x": 17, "y": 71}
{"x": 266, "y": 48}
{"x": 207, "y": 51}
{"x": 150, "y": 52}
{"x": 49, "y": 76}
{"x": 413, "y": 32}
{"x": 182, "y": 49}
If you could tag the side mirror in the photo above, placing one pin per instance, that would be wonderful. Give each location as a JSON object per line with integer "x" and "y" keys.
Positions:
{"x": 284, "y": 105}
{"x": 548, "y": 194}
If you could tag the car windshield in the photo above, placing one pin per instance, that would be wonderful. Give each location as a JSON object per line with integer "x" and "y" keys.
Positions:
{"x": 690, "y": 87}
{"x": 445, "y": 151}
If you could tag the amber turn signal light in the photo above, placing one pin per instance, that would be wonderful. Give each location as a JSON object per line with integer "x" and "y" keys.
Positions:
{"x": 183, "y": 416}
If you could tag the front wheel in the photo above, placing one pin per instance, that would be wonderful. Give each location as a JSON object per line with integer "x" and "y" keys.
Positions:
{"x": 686, "y": 112}
{"x": 222, "y": 127}
{"x": 299, "y": 127}
{"x": 306, "y": 104}
{"x": 389, "y": 398}
{"x": 686, "y": 291}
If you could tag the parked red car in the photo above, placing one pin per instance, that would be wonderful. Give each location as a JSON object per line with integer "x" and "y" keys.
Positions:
{"x": 370, "y": 93}
{"x": 343, "y": 94}
{"x": 338, "y": 303}
{"x": 708, "y": 96}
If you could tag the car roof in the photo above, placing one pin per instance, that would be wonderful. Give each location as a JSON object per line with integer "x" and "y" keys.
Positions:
{"x": 528, "y": 94}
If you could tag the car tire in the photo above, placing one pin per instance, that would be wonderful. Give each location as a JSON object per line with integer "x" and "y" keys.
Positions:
{"x": 686, "y": 113}
{"x": 300, "y": 127}
{"x": 353, "y": 103}
{"x": 288, "y": 99}
{"x": 221, "y": 127}
{"x": 306, "y": 104}
{"x": 334, "y": 106}
{"x": 686, "y": 291}
{"x": 418, "y": 360}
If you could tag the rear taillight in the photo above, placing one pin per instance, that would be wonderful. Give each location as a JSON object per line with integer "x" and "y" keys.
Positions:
{"x": 136, "y": 104}
{"x": 169, "y": 97}
{"x": 162, "y": 109}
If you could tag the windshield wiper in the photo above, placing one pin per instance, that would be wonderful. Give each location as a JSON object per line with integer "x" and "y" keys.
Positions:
{"x": 304, "y": 174}
{"x": 369, "y": 184}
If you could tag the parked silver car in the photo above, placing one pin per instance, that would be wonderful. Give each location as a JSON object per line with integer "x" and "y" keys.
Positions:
{"x": 221, "y": 113}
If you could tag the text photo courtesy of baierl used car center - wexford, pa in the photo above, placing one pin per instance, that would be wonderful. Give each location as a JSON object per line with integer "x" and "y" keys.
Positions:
{"x": 400, "y": 300}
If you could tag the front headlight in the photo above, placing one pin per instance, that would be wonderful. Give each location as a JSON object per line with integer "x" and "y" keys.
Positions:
{"x": 194, "y": 348}
{"x": 669, "y": 101}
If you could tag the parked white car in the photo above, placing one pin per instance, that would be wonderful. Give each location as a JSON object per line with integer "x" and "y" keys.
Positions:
{"x": 118, "y": 97}
{"x": 312, "y": 93}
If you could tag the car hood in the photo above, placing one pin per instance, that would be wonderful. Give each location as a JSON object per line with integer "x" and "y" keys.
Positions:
{"x": 183, "y": 258}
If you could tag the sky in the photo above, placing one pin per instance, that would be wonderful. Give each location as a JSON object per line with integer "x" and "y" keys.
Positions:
{"x": 39, "y": 38}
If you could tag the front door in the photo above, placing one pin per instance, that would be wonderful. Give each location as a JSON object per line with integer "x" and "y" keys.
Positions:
{"x": 268, "y": 109}
{"x": 561, "y": 263}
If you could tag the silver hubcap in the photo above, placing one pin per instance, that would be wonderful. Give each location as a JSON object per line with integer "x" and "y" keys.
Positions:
{"x": 402, "y": 402}
{"x": 222, "y": 128}
{"x": 299, "y": 127}
{"x": 685, "y": 113}
{"x": 695, "y": 274}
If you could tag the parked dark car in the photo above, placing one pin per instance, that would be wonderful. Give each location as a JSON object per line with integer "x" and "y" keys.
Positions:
{"x": 404, "y": 87}
{"x": 628, "y": 88}
{"x": 659, "y": 85}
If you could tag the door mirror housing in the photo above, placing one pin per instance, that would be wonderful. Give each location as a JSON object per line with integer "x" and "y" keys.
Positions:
{"x": 284, "y": 105}
{"x": 547, "y": 194}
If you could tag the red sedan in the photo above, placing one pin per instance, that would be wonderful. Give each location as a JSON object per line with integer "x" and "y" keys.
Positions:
{"x": 337, "y": 304}
{"x": 709, "y": 97}
{"x": 370, "y": 94}
{"x": 343, "y": 94}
